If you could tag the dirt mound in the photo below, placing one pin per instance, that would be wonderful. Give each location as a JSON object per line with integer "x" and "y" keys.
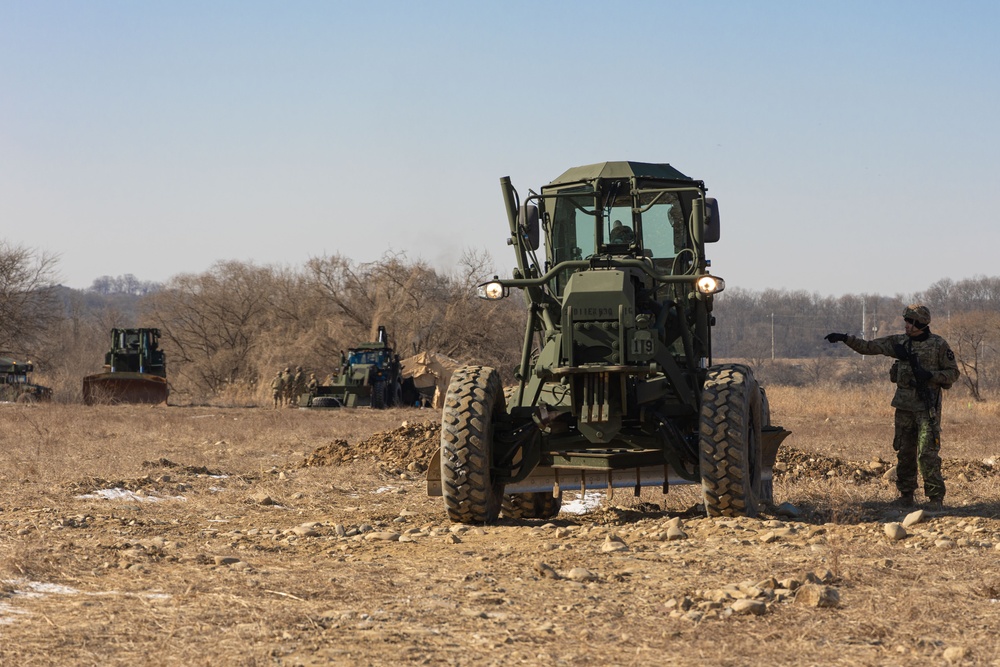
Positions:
{"x": 795, "y": 464}
{"x": 409, "y": 446}
{"x": 335, "y": 453}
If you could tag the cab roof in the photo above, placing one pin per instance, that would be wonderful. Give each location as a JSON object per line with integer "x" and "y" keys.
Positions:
{"x": 612, "y": 170}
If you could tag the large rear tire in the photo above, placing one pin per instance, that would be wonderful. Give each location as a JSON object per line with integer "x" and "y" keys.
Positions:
{"x": 531, "y": 505}
{"x": 470, "y": 489}
{"x": 730, "y": 442}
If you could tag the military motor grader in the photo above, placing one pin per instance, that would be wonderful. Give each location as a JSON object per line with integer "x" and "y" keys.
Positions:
{"x": 616, "y": 385}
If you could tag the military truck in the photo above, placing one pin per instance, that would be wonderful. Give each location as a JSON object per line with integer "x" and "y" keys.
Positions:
{"x": 14, "y": 384}
{"x": 616, "y": 384}
{"x": 369, "y": 375}
{"x": 135, "y": 371}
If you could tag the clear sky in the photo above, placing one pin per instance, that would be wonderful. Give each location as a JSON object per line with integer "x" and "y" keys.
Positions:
{"x": 848, "y": 142}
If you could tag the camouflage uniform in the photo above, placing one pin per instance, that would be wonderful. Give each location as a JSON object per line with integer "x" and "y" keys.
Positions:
{"x": 917, "y": 438}
{"x": 298, "y": 384}
{"x": 286, "y": 386}
{"x": 278, "y": 389}
{"x": 312, "y": 383}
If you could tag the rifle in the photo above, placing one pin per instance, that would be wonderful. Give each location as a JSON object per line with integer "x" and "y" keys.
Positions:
{"x": 924, "y": 391}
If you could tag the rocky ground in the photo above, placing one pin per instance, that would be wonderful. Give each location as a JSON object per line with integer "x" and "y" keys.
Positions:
{"x": 334, "y": 554}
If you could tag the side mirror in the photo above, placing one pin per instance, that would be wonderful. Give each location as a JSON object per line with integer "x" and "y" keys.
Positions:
{"x": 712, "y": 229}
{"x": 527, "y": 223}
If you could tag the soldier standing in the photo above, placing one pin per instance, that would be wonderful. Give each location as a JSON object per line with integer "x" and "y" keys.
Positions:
{"x": 312, "y": 383}
{"x": 298, "y": 384}
{"x": 924, "y": 366}
{"x": 286, "y": 386}
{"x": 278, "y": 389}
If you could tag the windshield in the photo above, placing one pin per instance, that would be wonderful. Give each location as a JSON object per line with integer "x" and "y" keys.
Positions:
{"x": 662, "y": 233}
{"x": 362, "y": 356}
{"x": 662, "y": 224}
{"x": 573, "y": 229}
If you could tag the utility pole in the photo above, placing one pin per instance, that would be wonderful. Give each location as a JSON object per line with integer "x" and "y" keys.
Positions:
{"x": 772, "y": 336}
{"x": 864, "y": 328}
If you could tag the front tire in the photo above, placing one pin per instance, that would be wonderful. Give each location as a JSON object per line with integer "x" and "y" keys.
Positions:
{"x": 378, "y": 394}
{"x": 473, "y": 402}
{"x": 730, "y": 442}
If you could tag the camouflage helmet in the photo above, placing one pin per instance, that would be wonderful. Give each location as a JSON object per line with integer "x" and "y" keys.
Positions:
{"x": 298, "y": 368}
{"x": 288, "y": 369}
{"x": 918, "y": 314}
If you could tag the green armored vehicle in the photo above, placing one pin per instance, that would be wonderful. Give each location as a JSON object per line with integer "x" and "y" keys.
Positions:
{"x": 370, "y": 375}
{"x": 616, "y": 386}
{"x": 14, "y": 384}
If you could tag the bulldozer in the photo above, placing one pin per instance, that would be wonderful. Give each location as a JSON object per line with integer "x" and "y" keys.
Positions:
{"x": 135, "y": 371}
{"x": 369, "y": 375}
{"x": 14, "y": 384}
{"x": 616, "y": 384}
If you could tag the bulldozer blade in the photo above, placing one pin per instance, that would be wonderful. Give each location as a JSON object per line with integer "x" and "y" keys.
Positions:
{"x": 124, "y": 388}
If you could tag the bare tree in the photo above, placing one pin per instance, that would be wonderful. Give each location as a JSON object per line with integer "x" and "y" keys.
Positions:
{"x": 28, "y": 303}
{"x": 211, "y": 322}
{"x": 971, "y": 335}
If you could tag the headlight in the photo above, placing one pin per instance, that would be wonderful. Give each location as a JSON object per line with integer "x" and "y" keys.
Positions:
{"x": 710, "y": 284}
{"x": 492, "y": 290}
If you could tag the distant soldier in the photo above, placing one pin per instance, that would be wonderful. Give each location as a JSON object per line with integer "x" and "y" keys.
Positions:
{"x": 924, "y": 366}
{"x": 286, "y": 385}
{"x": 278, "y": 389}
{"x": 298, "y": 384}
{"x": 312, "y": 383}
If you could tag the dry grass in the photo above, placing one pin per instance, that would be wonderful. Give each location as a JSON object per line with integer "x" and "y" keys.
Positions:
{"x": 148, "y": 583}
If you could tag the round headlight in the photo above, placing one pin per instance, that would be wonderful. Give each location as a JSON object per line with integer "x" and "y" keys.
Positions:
{"x": 710, "y": 284}
{"x": 492, "y": 290}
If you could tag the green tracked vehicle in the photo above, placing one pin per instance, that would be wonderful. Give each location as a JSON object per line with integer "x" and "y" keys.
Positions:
{"x": 135, "y": 371}
{"x": 616, "y": 386}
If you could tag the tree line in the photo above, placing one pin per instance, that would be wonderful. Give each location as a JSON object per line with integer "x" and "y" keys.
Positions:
{"x": 227, "y": 330}
{"x": 781, "y": 332}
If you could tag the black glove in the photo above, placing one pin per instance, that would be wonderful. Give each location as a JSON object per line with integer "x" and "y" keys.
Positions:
{"x": 836, "y": 338}
{"x": 922, "y": 375}
{"x": 899, "y": 351}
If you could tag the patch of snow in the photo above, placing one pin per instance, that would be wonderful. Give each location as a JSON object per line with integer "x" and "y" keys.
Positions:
{"x": 118, "y": 493}
{"x": 584, "y": 504}
{"x": 28, "y": 589}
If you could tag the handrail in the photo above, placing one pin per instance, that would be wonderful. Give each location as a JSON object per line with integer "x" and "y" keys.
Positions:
{"x": 596, "y": 263}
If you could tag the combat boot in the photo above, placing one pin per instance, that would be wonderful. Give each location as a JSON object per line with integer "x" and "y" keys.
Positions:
{"x": 904, "y": 500}
{"x": 935, "y": 504}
